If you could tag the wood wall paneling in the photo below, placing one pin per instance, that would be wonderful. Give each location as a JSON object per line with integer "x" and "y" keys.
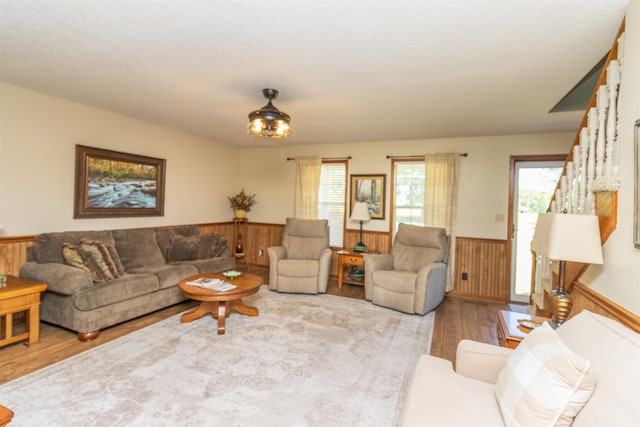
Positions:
{"x": 13, "y": 253}
{"x": 375, "y": 241}
{"x": 485, "y": 263}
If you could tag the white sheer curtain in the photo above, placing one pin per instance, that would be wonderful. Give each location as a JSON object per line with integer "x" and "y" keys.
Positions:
{"x": 441, "y": 200}
{"x": 307, "y": 187}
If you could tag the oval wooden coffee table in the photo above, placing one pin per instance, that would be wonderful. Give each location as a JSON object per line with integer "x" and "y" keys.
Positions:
{"x": 220, "y": 303}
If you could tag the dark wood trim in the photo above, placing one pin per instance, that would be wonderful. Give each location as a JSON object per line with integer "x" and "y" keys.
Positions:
{"x": 586, "y": 298}
{"x": 17, "y": 239}
{"x": 512, "y": 170}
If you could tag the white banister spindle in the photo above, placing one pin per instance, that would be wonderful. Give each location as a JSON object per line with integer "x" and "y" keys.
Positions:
{"x": 613, "y": 79}
{"x": 603, "y": 101}
{"x": 584, "y": 152}
{"x": 591, "y": 159}
{"x": 570, "y": 207}
{"x": 564, "y": 194}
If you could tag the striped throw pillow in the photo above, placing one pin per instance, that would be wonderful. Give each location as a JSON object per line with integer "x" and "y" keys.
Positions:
{"x": 543, "y": 383}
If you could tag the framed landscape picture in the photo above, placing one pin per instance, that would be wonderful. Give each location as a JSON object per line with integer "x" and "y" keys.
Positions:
{"x": 371, "y": 190}
{"x": 114, "y": 184}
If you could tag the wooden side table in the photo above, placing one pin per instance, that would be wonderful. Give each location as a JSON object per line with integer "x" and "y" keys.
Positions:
{"x": 20, "y": 295}
{"x": 6, "y": 415}
{"x": 347, "y": 259}
{"x": 240, "y": 226}
{"x": 510, "y": 331}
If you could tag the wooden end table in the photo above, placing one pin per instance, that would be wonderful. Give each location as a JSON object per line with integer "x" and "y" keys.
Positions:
{"x": 21, "y": 295}
{"x": 220, "y": 303}
{"x": 349, "y": 259}
{"x": 510, "y": 331}
{"x": 6, "y": 415}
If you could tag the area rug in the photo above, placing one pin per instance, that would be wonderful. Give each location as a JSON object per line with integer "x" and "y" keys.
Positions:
{"x": 306, "y": 360}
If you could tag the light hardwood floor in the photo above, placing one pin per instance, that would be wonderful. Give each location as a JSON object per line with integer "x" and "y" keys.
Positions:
{"x": 456, "y": 319}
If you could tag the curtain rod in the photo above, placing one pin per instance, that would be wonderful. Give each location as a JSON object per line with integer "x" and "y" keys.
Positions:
{"x": 326, "y": 158}
{"x": 419, "y": 156}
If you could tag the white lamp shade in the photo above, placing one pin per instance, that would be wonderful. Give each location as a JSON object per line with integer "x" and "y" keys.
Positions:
{"x": 360, "y": 212}
{"x": 568, "y": 237}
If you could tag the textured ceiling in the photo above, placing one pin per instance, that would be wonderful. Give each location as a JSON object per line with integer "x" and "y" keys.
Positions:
{"x": 346, "y": 70}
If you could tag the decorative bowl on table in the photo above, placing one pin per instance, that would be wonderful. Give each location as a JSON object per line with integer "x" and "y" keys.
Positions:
{"x": 356, "y": 275}
{"x": 231, "y": 274}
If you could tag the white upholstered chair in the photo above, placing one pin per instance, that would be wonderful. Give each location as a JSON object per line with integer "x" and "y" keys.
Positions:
{"x": 302, "y": 263}
{"x": 412, "y": 278}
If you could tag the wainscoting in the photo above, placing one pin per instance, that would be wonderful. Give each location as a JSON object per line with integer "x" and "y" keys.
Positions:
{"x": 484, "y": 260}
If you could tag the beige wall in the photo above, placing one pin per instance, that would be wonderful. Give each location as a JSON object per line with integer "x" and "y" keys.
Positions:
{"x": 619, "y": 278}
{"x": 38, "y": 134}
{"x": 484, "y": 180}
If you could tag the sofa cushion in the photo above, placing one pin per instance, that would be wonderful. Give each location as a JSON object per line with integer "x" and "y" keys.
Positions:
{"x": 305, "y": 238}
{"x": 190, "y": 248}
{"x": 396, "y": 281}
{"x": 164, "y": 235}
{"x": 613, "y": 351}
{"x": 168, "y": 275}
{"x": 298, "y": 268}
{"x": 221, "y": 263}
{"x": 439, "y": 397}
{"x": 105, "y": 255}
{"x": 138, "y": 248}
{"x": 305, "y": 247}
{"x": 48, "y": 246}
{"x": 543, "y": 382}
{"x": 76, "y": 256}
{"x": 115, "y": 291}
{"x": 415, "y": 247}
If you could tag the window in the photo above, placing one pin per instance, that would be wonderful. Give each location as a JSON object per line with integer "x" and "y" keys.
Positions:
{"x": 331, "y": 200}
{"x": 408, "y": 193}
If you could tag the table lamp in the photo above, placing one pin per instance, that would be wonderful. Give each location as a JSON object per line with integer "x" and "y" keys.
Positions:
{"x": 566, "y": 237}
{"x": 360, "y": 213}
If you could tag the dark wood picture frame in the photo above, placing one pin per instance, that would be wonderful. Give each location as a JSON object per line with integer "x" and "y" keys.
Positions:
{"x": 370, "y": 189}
{"x": 115, "y": 184}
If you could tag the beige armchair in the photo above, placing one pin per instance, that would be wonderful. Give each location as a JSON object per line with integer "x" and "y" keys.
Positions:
{"x": 412, "y": 278}
{"x": 547, "y": 367}
{"x": 302, "y": 263}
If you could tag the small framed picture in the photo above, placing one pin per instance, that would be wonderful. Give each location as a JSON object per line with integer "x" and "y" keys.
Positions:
{"x": 371, "y": 190}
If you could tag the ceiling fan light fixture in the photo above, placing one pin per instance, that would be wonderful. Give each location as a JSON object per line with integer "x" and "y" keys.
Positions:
{"x": 268, "y": 121}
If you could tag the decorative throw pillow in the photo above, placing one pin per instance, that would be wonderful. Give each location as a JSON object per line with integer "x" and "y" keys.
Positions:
{"x": 189, "y": 248}
{"x": 183, "y": 248}
{"x": 543, "y": 382}
{"x": 77, "y": 257}
{"x": 211, "y": 246}
{"x": 105, "y": 256}
{"x": 218, "y": 247}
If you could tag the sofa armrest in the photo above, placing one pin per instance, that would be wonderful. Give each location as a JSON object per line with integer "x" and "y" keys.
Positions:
{"x": 276, "y": 253}
{"x": 324, "y": 268}
{"x": 481, "y": 361}
{"x": 60, "y": 278}
{"x": 430, "y": 287}
{"x": 374, "y": 262}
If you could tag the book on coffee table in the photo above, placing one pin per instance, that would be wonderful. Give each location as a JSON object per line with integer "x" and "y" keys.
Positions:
{"x": 212, "y": 283}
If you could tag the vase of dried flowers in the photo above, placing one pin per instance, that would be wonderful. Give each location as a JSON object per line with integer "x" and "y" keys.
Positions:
{"x": 241, "y": 203}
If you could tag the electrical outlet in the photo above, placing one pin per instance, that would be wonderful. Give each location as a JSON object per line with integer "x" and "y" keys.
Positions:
{"x": 260, "y": 252}
{"x": 465, "y": 276}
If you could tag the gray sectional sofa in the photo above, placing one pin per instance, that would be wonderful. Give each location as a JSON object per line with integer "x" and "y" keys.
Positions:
{"x": 97, "y": 279}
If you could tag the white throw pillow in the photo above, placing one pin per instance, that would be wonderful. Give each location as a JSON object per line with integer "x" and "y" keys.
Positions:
{"x": 544, "y": 383}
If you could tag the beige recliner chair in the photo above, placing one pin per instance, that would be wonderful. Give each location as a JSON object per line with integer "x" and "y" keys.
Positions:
{"x": 412, "y": 278}
{"x": 302, "y": 263}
